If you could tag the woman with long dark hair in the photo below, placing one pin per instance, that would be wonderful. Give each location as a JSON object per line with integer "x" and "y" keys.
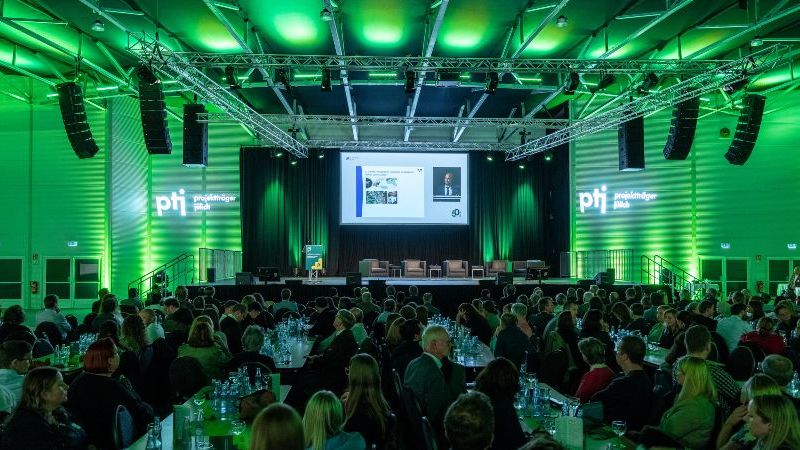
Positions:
{"x": 500, "y": 382}
{"x": 366, "y": 411}
{"x": 595, "y": 325}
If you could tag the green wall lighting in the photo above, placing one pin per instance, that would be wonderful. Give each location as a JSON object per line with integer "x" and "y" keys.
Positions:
{"x": 296, "y": 28}
{"x": 382, "y": 75}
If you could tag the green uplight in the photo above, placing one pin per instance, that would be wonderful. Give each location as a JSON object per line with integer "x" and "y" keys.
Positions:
{"x": 530, "y": 80}
{"x": 383, "y": 33}
{"x": 461, "y": 39}
{"x": 296, "y": 28}
{"x": 382, "y": 74}
{"x": 306, "y": 76}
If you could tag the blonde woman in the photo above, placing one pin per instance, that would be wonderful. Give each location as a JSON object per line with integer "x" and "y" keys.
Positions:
{"x": 322, "y": 424}
{"x": 277, "y": 427}
{"x": 772, "y": 420}
{"x": 758, "y": 385}
{"x": 691, "y": 419}
{"x": 366, "y": 409}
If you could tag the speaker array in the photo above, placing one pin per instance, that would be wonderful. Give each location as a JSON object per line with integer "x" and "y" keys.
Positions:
{"x": 682, "y": 129}
{"x": 195, "y": 137}
{"x": 73, "y": 114}
{"x": 747, "y": 129}
{"x": 154, "y": 114}
{"x": 631, "y": 145}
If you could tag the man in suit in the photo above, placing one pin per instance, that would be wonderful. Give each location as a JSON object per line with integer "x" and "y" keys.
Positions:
{"x": 329, "y": 366}
{"x": 229, "y": 324}
{"x": 540, "y": 320}
{"x": 435, "y": 380}
{"x": 511, "y": 342}
{"x": 448, "y": 187}
{"x": 323, "y": 319}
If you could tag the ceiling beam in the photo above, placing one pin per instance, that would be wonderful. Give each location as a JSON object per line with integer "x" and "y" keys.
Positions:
{"x": 338, "y": 45}
{"x": 104, "y": 50}
{"x": 432, "y": 38}
{"x": 647, "y": 27}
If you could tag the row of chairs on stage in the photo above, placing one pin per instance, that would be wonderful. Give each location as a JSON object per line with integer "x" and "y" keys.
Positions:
{"x": 450, "y": 268}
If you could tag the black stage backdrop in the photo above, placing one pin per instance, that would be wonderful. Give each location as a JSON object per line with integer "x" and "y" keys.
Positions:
{"x": 515, "y": 213}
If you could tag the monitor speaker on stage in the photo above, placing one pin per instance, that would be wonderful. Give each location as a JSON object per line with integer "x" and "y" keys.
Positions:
{"x": 354, "y": 278}
{"x": 603, "y": 278}
{"x": 211, "y": 275}
{"x": 505, "y": 278}
{"x": 269, "y": 274}
{"x": 244, "y": 278}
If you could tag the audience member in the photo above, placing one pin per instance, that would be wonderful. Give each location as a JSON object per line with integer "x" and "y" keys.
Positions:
{"x": 733, "y": 327}
{"x": 571, "y": 306}
{"x": 469, "y": 422}
{"x": 564, "y": 337}
{"x": 758, "y": 384}
{"x": 15, "y": 360}
{"x": 230, "y": 325}
{"x": 109, "y": 310}
{"x": 599, "y": 375}
{"x": 13, "y": 323}
{"x": 545, "y": 314}
{"x": 477, "y": 324}
{"x": 323, "y": 318}
{"x": 202, "y": 346}
{"x": 133, "y": 300}
{"x": 500, "y": 382}
{"x": 422, "y": 315}
{"x": 705, "y": 315}
{"x": 359, "y": 331}
{"x": 256, "y": 315}
{"x": 409, "y": 348}
{"x": 594, "y": 325}
{"x": 152, "y": 328}
{"x": 511, "y": 342}
{"x": 764, "y": 338}
{"x": 427, "y": 301}
{"x": 277, "y": 427}
{"x": 366, "y": 411}
{"x": 51, "y": 313}
{"x": 323, "y": 425}
{"x": 773, "y": 422}
{"x": 328, "y": 369}
{"x": 785, "y": 312}
{"x": 253, "y": 339}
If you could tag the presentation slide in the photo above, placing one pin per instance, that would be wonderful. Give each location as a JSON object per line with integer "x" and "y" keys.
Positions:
{"x": 404, "y": 188}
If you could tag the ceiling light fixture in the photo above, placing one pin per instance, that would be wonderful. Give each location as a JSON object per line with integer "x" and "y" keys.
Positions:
{"x": 735, "y": 86}
{"x": 230, "y": 78}
{"x": 522, "y": 137}
{"x": 281, "y": 74}
{"x": 548, "y": 155}
{"x": 606, "y": 81}
{"x": 411, "y": 82}
{"x": 562, "y": 21}
{"x": 650, "y": 81}
{"x": 757, "y": 41}
{"x": 325, "y": 83}
{"x": 98, "y": 26}
{"x": 573, "y": 81}
{"x": 326, "y": 15}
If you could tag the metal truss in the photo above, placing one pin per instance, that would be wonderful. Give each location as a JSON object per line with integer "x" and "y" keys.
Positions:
{"x": 411, "y": 146}
{"x": 437, "y": 64}
{"x": 344, "y": 120}
{"x": 737, "y": 70}
{"x": 174, "y": 66}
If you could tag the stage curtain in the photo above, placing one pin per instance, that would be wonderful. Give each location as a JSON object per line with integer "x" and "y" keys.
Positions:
{"x": 285, "y": 206}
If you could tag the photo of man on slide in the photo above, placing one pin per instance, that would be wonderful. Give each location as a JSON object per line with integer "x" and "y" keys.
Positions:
{"x": 446, "y": 184}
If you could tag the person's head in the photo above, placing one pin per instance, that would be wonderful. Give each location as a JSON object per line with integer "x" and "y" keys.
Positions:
{"x": 344, "y": 320}
{"x": 408, "y": 312}
{"x": 364, "y": 387}
{"x": 773, "y": 421}
{"x": 389, "y": 305}
{"x": 684, "y": 319}
{"x": 147, "y": 316}
{"x": 132, "y": 334}
{"x": 592, "y": 350}
{"x": 14, "y": 315}
{"x": 565, "y": 323}
{"x": 587, "y": 296}
{"x": 571, "y": 305}
{"x": 101, "y": 293}
{"x": 593, "y": 321}
{"x": 16, "y": 356}
{"x": 101, "y": 357}
{"x": 200, "y": 335}
{"x": 436, "y": 341}
{"x": 755, "y": 309}
{"x": 277, "y": 427}
{"x": 199, "y": 303}
{"x": 238, "y": 311}
{"x": 323, "y": 419}
{"x": 765, "y": 325}
{"x": 469, "y": 422}
{"x": 508, "y": 320}
{"x": 630, "y": 353}
{"x": 253, "y": 339}
{"x": 181, "y": 292}
{"x": 499, "y": 379}
{"x": 448, "y": 178}
{"x": 694, "y": 376}
{"x": 637, "y": 310}
{"x": 109, "y": 305}
{"x": 545, "y": 305}
{"x": 739, "y": 310}
{"x": 254, "y": 309}
{"x": 784, "y": 311}
{"x": 210, "y": 291}
{"x": 706, "y": 308}
{"x": 421, "y": 312}
{"x": 427, "y": 298}
{"x": 779, "y": 368}
{"x": 697, "y": 340}
{"x": 109, "y": 329}
{"x": 393, "y": 336}
{"x": 759, "y": 384}
{"x": 410, "y": 330}
{"x": 413, "y": 291}
{"x": 171, "y": 305}
{"x": 630, "y": 295}
{"x": 621, "y": 312}
{"x": 43, "y": 390}
{"x": 358, "y": 314}
{"x": 50, "y": 301}
{"x": 670, "y": 319}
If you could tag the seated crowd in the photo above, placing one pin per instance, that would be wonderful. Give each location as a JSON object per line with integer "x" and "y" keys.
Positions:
{"x": 380, "y": 376}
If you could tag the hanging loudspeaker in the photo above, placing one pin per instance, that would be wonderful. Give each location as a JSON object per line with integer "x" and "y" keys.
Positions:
{"x": 631, "y": 145}
{"x": 195, "y": 137}
{"x": 154, "y": 116}
{"x": 73, "y": 113}
{"x": 681, "y": 133}
{"x": 747, "y": 129}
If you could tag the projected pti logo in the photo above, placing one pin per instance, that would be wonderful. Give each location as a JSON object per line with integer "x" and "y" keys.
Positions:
{"x": 598, "y": 199}
{"x": 176, "y": 202}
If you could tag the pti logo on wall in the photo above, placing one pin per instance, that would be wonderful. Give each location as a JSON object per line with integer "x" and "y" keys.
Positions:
{"x": 176, "y": 202}
{"x": 597, "y": 199}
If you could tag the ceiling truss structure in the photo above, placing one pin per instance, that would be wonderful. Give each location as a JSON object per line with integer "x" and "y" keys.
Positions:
{"x": 318, "y": 119}
{"x": 738, "y": 70}
{"x": 413, "y": 146}
{"x": 163, "y": 60}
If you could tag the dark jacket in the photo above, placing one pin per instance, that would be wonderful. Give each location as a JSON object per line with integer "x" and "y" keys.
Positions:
{"x": 479, "y": 327}
{"x": 333, "y": 361}
{"x": 265, "y": 320}
{"x": 539, "y": 321}
{"x": 27, "y": 429}
{"x": 434, "y": 391}
{"x": 233, "y": 333}
{"x": 369, "y": 428}
{"x": 403, "y": 354}
{"x": 93, "y": 401}
{"x": 629, "y": 398}
{"x": 323, "y": 324}
{"x": 512, "y": 344}
{"x": 507, "y": 429}
{"x": 707, "y": 322}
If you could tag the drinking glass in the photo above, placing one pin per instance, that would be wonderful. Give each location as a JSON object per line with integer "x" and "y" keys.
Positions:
{"x": 619, "y": 427}
{"x": 237, "y": 427}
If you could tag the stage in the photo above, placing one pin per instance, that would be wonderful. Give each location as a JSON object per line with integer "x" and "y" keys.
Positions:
{"x": 448, "y": 293}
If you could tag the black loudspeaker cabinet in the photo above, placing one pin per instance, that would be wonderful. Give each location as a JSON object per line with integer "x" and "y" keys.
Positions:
{"x": 154, "y": 118}
{"x": 195, "y": 136}
{"x": 505, "y": 278}
{"x": 353, "y": 278}
{"x": 244, "y": 278}
{"x": 211, "y": 275}
{"x": 631, "y": 144}
{"x": 269, "y": 274}
{"x": 681, "y": 132}
{"x": 603, "y": 278}
{"x": 73, "y": 114}
{"x": 747, "y": 129}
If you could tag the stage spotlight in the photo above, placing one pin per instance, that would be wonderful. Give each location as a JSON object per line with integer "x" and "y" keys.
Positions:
{"x": 521, "y": 166}
{"x": 489, "y": 158}
{"x": 98, "y": 26}
{"x": 650, "y": 81}
{"x": 548, "y": 156}
{"x": 492, "y": 80}
{"x": 573, "y": 81}
{"x": 411, "y": 81}
{"x": 735, "y": 86}
{"x": 293, "y": 131}
{"x": 282, "y": 76}
{"x": 275, "y": 153}
{"x": 562, "y": 21}
{"x": 321, "y": 155}
{"x": 326, "y": 15}
{"x": 230, "y": 78}
{"x": 325, "y": 84}
{"x": 293, "y": 161}
{"x": 522, "y": 137}
{"x": 606, "y": 81}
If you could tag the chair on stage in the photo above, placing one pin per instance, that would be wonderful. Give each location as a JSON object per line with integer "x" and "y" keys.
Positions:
{"x": 373, "y": 268}
{"x": 457, "y": 268}
{"x": 414, "y": 268}
{"x": 520, "y": 268}
{"x": 496, "y": 266}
